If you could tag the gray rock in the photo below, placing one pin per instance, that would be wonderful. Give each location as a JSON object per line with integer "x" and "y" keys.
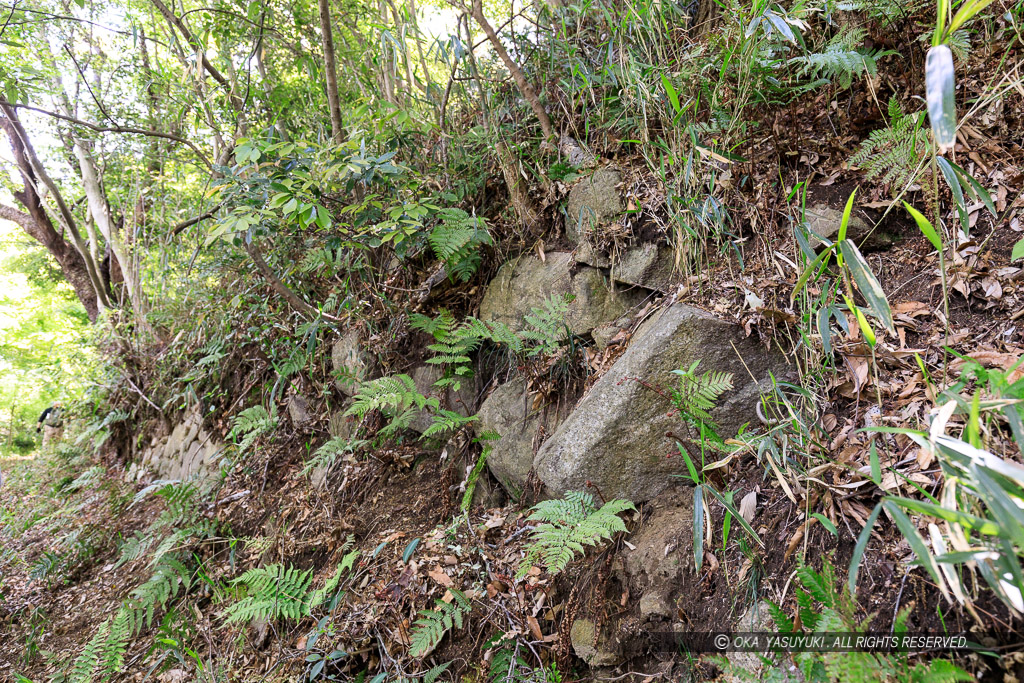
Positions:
{"x": 824, "y": 220}
{"x": 508, "y": 412}
{"x": 462, "y": 401}
{"x": 593, "y": 201}
{"x": 596, "y": 649}
{"x": 352, "y": 363}
{"x": 662, "y": 558}
{"x": 616, "y": 436}
{"x": 604, "y": 334}
{"x": 520, "y": 286}
{"x": 341, "y": 426}
{"x": 646, "y": 265}
{"x": 298, "y": 410}
{"x": 757, "y": 618}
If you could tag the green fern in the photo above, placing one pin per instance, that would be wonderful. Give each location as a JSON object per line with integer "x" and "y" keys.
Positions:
{"x": 698, "y": 394}
{"x": 170, "y": 577}
{"x": 391, "y": 395}
{"x": 546, "y": 329}
{"x": 274, "y": 592}
{"x": 328, "y": 454}
{"x": 507, "y": 666}
{"x": 103, "y": 655}
{"x": 886, "y": 12}
{"x": 841, "y": 59}
{"x": 567, "y": 526}
{"x": 251, "y": 424}
{"x": 446, "y": 421}
{"x": 893, "y": 154}
{"x": 457, "y": 240}
{"x": 433, "y": 624}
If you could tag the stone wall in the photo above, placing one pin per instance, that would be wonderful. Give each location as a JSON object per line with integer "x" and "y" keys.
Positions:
{"x": 188, "y": 452}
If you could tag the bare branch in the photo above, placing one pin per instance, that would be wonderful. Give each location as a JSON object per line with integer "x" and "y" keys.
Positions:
{"x": 115, "y": 129}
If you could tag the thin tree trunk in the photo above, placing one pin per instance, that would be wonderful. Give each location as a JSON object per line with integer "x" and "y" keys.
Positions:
{"x": 100, "y": 211}
{"x": 280, "y": 287}
{"x": 522, "y": 204}
{"x": 427, "y": 80}
{"x": 529, "y": 94}
{"x": 333, "y": 103}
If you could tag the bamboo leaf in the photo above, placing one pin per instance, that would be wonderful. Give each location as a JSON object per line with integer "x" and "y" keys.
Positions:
{"x": 925, "y": 226}
{"x": 867, "y": 283}
{"x": 940, "y": 89}
{"x": 858, "y": 550}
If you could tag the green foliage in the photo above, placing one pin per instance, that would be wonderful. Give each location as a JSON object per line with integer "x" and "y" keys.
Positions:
{"x": 508, "y": 665}
{"x": 395, "y": 396}
{"x": 566, "y": 526}
{"x": 432, "y": 625}
{"x": 824, "y": 608}
{"x": 893, "y": 155}
{"x": 543, "y": 334}
{"x": 842, "y": 59}
{"x": 697, "y": 394}
{"x": 170, "y": 577}
{"x": 885, "y": 11}
{"x": 446, "y": 421}
{"x": 274, "y": 592}
{"x": 457, "y": 240}
{"x": 251, "y": 424}
{"x": 328, "y": 454}
{"x": 103, "y": 655}
{"x": 980, "y": 501}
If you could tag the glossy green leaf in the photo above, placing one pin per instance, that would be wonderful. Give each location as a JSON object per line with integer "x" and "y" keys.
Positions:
{"x": 698, "y": 527}
{"x": 917, "y": 544}
{"x": 867, "y": 283}
{"x": 858, "y": 550}
{"x": 925, "y": 226}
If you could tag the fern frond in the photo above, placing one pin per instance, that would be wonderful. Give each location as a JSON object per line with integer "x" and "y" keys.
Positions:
{"x": 697, "y": 394}
{"x": 893, "y": 154}
{"x": 391, "y": 395}
{"x": 567, "y": 527}
{"x": 251, "y": 424}
{"x": 841, "y": 59}
{"x": 447, "y": 421}
{"x": 457, "y": 239}
{"x": 432, "y": 625}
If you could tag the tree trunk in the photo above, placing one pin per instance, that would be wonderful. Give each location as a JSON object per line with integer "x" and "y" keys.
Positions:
{"x": 100, "y": 211}
{"x": 280, "y": 287}
{"x": 331, "y": 69}
{"x": 33, "y": 174}
{"x": 71, "y": 264}
{"x": 529, "y": 94}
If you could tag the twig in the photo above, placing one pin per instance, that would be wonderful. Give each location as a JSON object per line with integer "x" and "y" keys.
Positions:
{"x": 139, "y": 391}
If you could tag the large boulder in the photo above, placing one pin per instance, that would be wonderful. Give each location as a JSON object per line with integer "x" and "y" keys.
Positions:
{"x": 617, "y": 435}
{"x": 824, "y": 221}
{"x": 509, "y": 412}
{"x": 298, "y": 409}
{"x": 593, "y": 201}
{"x": 352, "y": 363}
{"x": 525, "y": 284}
{"x": 647, "y": 264}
